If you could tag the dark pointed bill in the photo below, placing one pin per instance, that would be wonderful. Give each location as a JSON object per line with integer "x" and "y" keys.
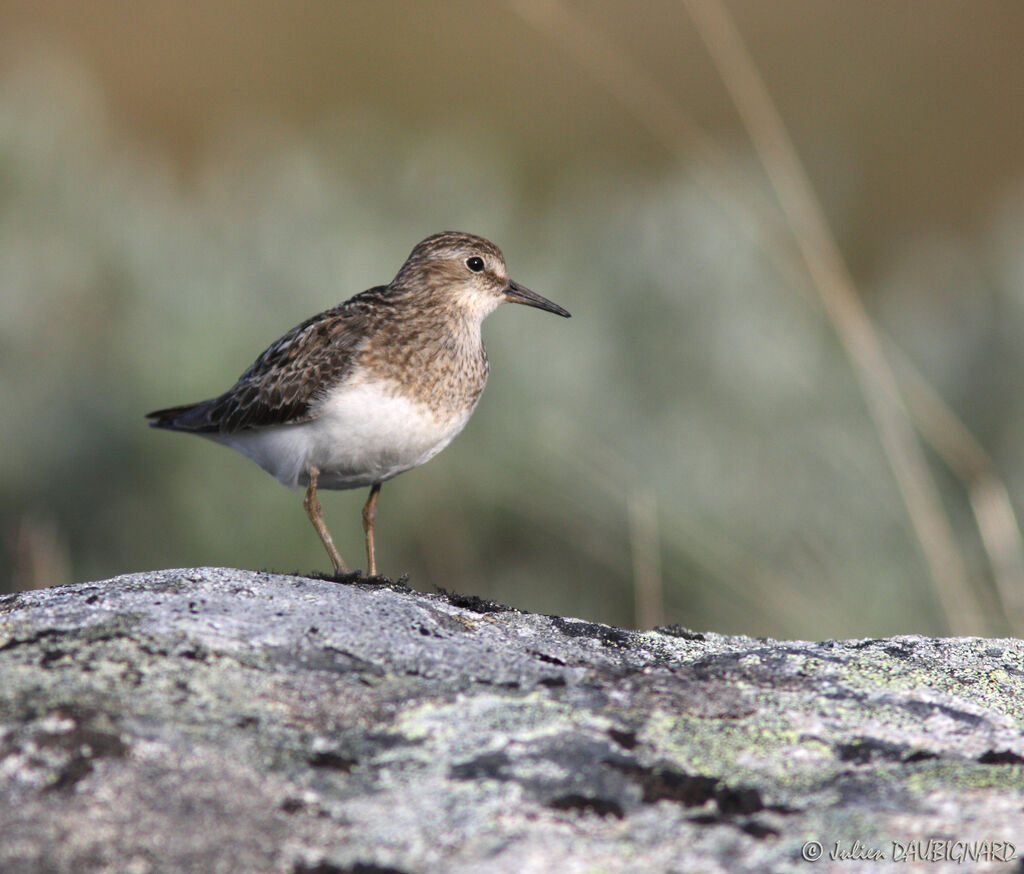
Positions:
{"x": 516, "y": 293}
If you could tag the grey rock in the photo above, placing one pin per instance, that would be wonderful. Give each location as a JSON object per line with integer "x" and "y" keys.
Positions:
{"x": 214, "y": 720}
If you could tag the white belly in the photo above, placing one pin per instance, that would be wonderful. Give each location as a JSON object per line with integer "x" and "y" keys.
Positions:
{"x": 362, "y": 435}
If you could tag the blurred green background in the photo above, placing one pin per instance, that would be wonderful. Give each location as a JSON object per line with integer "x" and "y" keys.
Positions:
{"x": 181, "y": 183}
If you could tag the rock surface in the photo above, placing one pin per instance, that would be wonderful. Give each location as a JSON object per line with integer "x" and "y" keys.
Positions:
{"x": 226, "y": 721}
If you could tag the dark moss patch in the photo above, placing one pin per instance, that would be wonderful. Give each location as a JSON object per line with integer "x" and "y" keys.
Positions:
{"x": 665, "y": 784}
{"x": 324, "y": 867}
{"x": 919, "y": 756}
{"x": 758, "y": 830}
{"x": 864, "y": 644}
{"x": 490, "y": 766}
{"x": 624, "y": 738}
{"x": 90, "y": 736}
{"x": 767, "y": 667}
{"x": 900, "y": 650}
{"x": 292, "y": 805}
{"x": 334, "y": 761}
{"x": 1000, "y": 757}
{"x": 66, "y": 640}
{"x": 679, "y": 631}
{"x": 10, "y": 603}
{"x": 29, "y": 640}
{"x": 614, "y": 638}
{"x": 474, "y": 603}
{"x": 738, "y": 800}
{"x": 547, "y": 659}
{"x": 359, "y": 579}
{"x": 328, "y": 659}
{"x": 924, "y": 709}
{"x": 694, "y": 790}
{"x": 865, "y": 750}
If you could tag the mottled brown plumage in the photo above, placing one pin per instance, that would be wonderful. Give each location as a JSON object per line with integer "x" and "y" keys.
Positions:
{"x": 323, "y": 404}
{"x": 282, "y": 386}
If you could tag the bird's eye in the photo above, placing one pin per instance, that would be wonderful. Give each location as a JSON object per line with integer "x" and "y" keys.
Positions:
{"x": 475, "y": 264}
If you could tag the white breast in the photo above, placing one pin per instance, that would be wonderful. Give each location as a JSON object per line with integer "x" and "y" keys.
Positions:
{"x": 363, "y": 434}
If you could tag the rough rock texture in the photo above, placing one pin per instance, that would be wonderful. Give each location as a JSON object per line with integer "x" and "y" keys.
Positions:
{"x": 226, "y": 721}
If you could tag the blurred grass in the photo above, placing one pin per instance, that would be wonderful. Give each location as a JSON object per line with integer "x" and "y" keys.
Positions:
{"x": 690, "y": 373}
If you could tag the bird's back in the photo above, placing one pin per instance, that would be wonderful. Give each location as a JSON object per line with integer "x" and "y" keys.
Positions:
{"x": 283, "y": 385}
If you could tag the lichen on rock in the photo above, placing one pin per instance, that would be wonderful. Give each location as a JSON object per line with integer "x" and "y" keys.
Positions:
{"x": 223, "y": 720}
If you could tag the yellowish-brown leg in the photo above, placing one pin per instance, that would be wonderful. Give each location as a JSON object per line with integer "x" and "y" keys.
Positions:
{"x": 313, "y": 510}
{"x": 369, "y": 520}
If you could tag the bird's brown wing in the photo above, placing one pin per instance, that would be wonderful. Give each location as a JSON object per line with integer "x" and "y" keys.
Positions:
{"x": 282, "y": 386}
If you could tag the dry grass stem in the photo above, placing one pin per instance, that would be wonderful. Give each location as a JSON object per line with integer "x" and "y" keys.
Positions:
{"x": 726, "y": 563}
{"x": 657, "y": 111}
{"x": 842, "y": 303}
{"x": 648, "y": 593}
{"x": 967, "y": 460}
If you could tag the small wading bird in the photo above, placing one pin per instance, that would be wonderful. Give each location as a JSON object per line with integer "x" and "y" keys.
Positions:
{"x": 372, "y": 387}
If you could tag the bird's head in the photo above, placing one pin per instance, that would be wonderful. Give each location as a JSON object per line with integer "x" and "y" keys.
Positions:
{"x": 467, "y": 272}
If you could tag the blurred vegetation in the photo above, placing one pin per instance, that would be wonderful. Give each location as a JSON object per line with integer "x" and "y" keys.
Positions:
{"x": 694, "y": 382}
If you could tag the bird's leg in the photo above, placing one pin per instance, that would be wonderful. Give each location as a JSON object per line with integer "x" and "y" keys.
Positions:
{"x": 313, "y": 510}
{"x": 369, "y": 519}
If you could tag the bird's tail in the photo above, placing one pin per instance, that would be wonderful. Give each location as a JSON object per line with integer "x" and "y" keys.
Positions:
{"x": 188, "y": 417}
